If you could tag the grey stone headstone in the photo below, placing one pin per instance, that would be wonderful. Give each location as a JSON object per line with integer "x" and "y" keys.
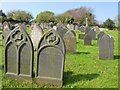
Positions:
{"x": 70, "y": 41}
{"x": 82, "y": 29}
{"x": 106, "y": 47}
{"x": 96, "y": 28}
{"x": 100, "y": 34}
{"x": 87, "y": 40}
{"x": 87, "y": 29}
{"x": 76, "y": 27}
{"x": 50, "y": 59}
{"x": 61, "y": 30}
{"x": 36, "y": 34}
{"x": 19, "y": 55}
{"x": 92, "y": 34}
{"x": 81, "y": 36}
{"x": 6, "y": 31}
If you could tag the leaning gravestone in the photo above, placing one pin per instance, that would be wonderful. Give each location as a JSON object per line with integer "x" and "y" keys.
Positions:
{"x": 87, "y": 40}
{"x": 36, "y": 34}
{"x": 106, "y": 47}
{"x": 70, "y": 41}
{"x": 92, "y": 34}
{"x": 18, "y": 55}
{"x": 6, "y": 31}
{"x": 50, "y": 59}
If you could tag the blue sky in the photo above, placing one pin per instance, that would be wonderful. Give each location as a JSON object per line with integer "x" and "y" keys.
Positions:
{"x": 102, "y": 10}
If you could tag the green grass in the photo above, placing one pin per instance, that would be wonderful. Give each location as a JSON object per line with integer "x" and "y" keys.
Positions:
{"x": 82, "y": 69}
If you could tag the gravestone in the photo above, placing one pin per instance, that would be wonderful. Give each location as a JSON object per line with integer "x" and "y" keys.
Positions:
{"x": 96, "y": 28}
{"x": 92, "y": 34}
{"x": 100, "y": 34}
{"x": 6, "y": 30}
{"x": 36, "y": 34}
{"x": 1, "y": 26}
{"x": 68, "y": 26}
{"x": 76, "y": 27}
{"x": 81, "y": 36}
{"x": 82, "y": 29}
{"x": 87, "y": 29}
{"x": 70, "y": 41}
{"x": 106, "y": 47}
{"x": 61, "y": 30}
{"x": 50, "y": 59}
{"x": 19, "y": 55}
{"x": 87, "y": 40}
{"x": 72, "y": 27}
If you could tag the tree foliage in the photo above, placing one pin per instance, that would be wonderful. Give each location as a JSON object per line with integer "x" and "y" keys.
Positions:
{"x": 45, "y": 16}
{"x": 3, "y": 16}
{"x": 21, "y": 16}
{"x": 109, "y": 24}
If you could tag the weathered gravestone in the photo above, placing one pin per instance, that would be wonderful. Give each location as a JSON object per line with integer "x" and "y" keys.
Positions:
{"x": 106, "y": 47}
{"x": 100, "y": 34}
{"x": 18, "y": 55}
{"x": 92, "y": 34}
{"x": 87, "y": 29}
{"x": 87, "y": 40}
{"x": 36, "y": 34}
{"x": 61, "y": 30}
{"x": 72, "y": 27}
{"x": 6, "y": 31}
{"x": 70, "y": 41}
{"x": 82, "y": 29}
{"x": 76, "y": 27}
{"x": 96, "y": 28}
{"x": 50, "y": 59}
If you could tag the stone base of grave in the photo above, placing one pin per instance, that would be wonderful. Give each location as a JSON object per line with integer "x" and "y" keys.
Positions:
{"x": 44, "y": 81}
{"x": 18, "y": 77}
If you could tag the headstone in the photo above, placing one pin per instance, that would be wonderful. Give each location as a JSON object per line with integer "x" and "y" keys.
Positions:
{"x": 18, "y": 55}
{"x": 61, "y": 30}
{"x": 76, "y": 27}
{"x": 68, "y": 26}
{"x": 100, "y": 34}
{"x": 87, "y": 40}
{"x": 36, "y": 34}
{"x": 70, "y": 41}
{"x": 6, "y": 31}
{"x": 92, "y": 34}
{"x": 87, "y": 29}
{"x": 50, "y": 59}
{"x": 72, "y": 27}
{"x": 1, "y": 26}
{"x": 96, "y": 28}
{"x": 81, "y": 36}
{"x": 106, "y": 47}
{"x": 82, "y": 29}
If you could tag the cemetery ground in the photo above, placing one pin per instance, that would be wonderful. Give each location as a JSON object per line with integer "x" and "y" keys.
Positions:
{"x": 82, "y": 69}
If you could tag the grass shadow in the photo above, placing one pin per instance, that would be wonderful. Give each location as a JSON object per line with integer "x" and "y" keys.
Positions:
{"x": 82, "y": 53}
{"x": 116, "y": 56}
{"x": 69, "y": 78}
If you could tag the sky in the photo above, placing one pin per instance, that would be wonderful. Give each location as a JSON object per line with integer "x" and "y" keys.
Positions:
{"x": 102, "y": 10}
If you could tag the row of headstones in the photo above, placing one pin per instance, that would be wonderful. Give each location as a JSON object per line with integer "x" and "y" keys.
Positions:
{"x": 19, "y": 57}
{"x": 105, "y": 42}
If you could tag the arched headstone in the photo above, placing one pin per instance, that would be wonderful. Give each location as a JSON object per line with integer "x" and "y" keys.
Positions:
{"x": 70, "y": 41}
{"x": 87, "y": 29}
{"x": 106, "y": 47}
{"x": 87, "y": 40}
{"x": 19, "y": 55}
{"x": 92, "y": 34}
{"x": 50, "y": 59}
{"x": 36, "y": 34}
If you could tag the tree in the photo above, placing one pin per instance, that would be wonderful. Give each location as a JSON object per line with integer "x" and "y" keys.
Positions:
{"x": 3, "y": 16}
{"x": 80, "y": 14}
{"x": 46, "y": 16}
{"x": 65, "y": 18}
{"x": 21, "y": 16}
{"x": 109, "y": 24}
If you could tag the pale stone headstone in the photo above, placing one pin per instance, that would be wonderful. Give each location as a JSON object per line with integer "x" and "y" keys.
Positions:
{"x": 36, "y": 34}
{"x": 19, "y": 55}
{"x": 92, "y": 34}
{"x": 70, "y": 41}
{"x": 106, "y": 47}
{"x": 76, "y": 27}
{"x": 87, "y": 40}
{"x": 72, "y": 27}
{"x": 50, "y": 59}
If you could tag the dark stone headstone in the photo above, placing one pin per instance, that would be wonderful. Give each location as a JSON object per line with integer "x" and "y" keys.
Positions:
{"x": 50, "y": 59}
{"x": 87, "y": 40}
{"x": 19, "y": 55}
{"x": 106, "y": 47}
{"x": 70, "y": 41}
{"x": 87, "y": 29}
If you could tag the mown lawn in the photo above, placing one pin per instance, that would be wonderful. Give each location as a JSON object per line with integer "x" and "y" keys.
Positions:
{"x": 82, "y": 69}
